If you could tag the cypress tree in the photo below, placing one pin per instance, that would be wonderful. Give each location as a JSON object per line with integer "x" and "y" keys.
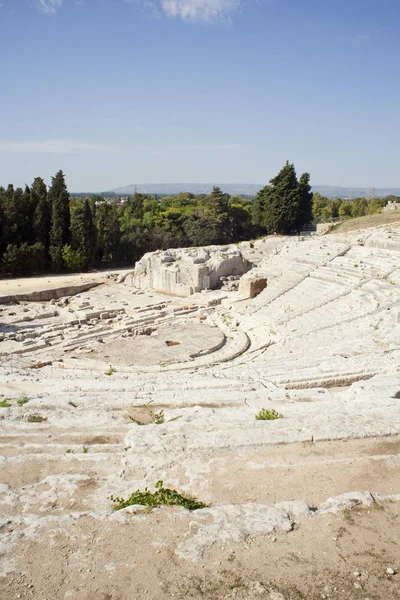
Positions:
{"x": 15, "y": 216}
{"x": 83, "y": 233}
{"x": 42, "y": 215}
{"x": 2, "y": 219}
{"x": 306, "y": 201}
{"x": 60, "y": 219}
{"x": 28, "y": 208}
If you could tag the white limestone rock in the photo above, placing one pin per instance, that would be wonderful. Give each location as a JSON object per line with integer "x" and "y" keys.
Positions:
{"x": 183, "y": 272}
{"x": 345, "y": 501}
{"x": 230, "y": 524}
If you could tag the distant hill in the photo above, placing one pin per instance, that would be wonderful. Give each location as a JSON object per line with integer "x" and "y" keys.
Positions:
{"x": 247, "y": 189}
{"x": 234, "y": 189}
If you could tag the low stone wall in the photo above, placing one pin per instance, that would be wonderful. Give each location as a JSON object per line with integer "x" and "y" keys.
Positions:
{"x": 47, "y": 295}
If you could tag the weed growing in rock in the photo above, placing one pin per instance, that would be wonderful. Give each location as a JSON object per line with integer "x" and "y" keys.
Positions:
{"x": 5, "y": 403}
{"x": 22, "y": 400}
{"x": 135, "y": 420}
{"x": 36, "y": 419}
{"x": 268, "y": 415}
{"x": 236, "y": 583}
{"x": 348, "y": 516}
{"x": 69, "y": 451}
{"x": 110, "y": 371}
{"x": 162, "y": 496}
{"x": 85, "y": 449}
{"x": 157, "y": 418}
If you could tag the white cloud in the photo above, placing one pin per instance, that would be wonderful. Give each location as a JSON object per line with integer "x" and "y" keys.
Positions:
{"x": 78, "y": 146}
{"x": 49, "y": 6}
{"x": 205, "y": 11}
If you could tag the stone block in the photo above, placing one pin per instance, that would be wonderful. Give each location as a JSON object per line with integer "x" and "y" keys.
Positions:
{"x": 252, "y": 285}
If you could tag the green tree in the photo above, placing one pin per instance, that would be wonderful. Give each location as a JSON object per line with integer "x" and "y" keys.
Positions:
{"x": 359, "y": 207}
{"x": 277, "y": 206}
{"x": 240, "y": 212}
{"x": 42, "y": 215}
{"x": 305, "y": 214}
{"x": 108, "y": 231}
{"x": 375, "y": 205}
{"x": 83, "y": 232}
{"x": 210, "y": 222}
{"x": 345, "y": 210}
{"x": 60, "y": 219}
{"x": 14, "y": 216}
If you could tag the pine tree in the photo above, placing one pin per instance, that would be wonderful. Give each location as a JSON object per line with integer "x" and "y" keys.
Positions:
{"x": 286, "y": 204}
{"x": 217, "y": 224}
{"x": 60, "y": 219}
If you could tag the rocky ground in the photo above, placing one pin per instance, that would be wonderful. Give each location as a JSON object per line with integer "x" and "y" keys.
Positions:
{"x": 113, "y": 389}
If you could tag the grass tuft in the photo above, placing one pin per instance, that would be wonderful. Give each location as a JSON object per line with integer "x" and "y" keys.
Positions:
{"x": 5, "y": 403}
{"x": 22, "y": 400}
{"x": 268, "y": 415}
{"x": 110, "y": 371}
{"x": 162, "y": 496}
{"x": 36, "y": 419}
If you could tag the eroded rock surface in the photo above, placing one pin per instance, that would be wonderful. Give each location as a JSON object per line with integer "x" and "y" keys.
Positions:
{"x": 116, "y": 388}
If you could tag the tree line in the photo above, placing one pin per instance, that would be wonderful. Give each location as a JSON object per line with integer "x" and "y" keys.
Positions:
{"x": 326, "y": 210}
{"x": 44, "y": 229}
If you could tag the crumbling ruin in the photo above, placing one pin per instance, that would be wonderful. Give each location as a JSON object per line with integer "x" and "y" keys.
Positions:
{"x": 183, "y": 272}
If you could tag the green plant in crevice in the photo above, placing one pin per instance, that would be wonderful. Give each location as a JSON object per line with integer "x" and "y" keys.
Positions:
{"x": 22, "y": 400}
{"x": 110, "y": 371}
{"x": 5, "y": 403}
{"x": 157, "y": 418}
{"x": 36, "y": 419}
{"x": 268, "y": 415}
{"x": 161, "y": 497}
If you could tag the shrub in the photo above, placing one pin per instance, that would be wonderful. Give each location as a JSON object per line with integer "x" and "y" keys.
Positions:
{"x": 5, "y": 403}
{"x": 162, "y": 496}
{"x": 22, "y": 400}
{"x": 268, "y": 415}
{"x": 36, "y": 419}
{"x": 73, "y": 259}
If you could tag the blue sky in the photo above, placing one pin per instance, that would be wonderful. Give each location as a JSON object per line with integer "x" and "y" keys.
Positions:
{"x": 136, "y": 91}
